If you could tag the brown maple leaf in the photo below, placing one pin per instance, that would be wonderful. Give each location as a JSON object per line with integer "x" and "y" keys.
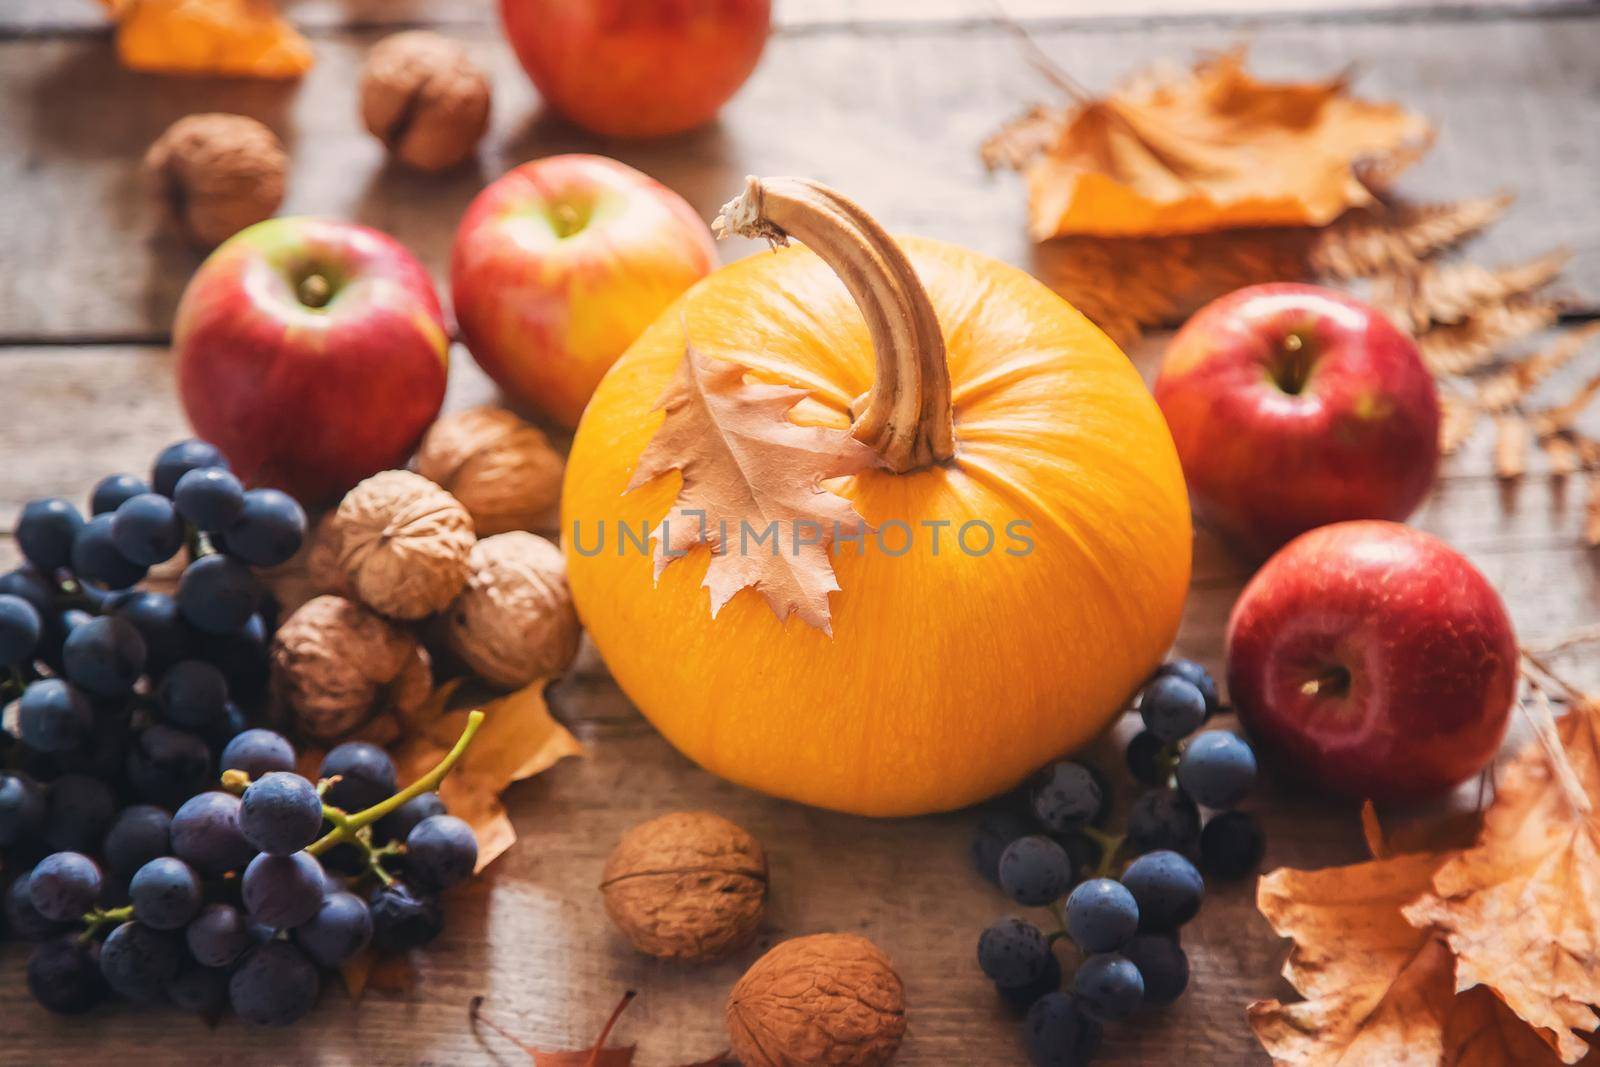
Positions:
{"x": 597, "y": 1055}
{"x": 1521, "y": 909}
{"x": 1209, "y": 150}
{"x": 752, "y": 487}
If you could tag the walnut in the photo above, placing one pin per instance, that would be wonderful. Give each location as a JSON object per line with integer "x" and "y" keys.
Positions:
{"x": 502, "y": 469}
{"x": 514, "y": 622}
{"x": 424, "y": 98}
{"x": 334, "y": 663}
{"x": 687, "y": 886}
{"x": 403, "y": 544}
{"x": 217, "y": 174}
{"x": 832, "y": 1000}
{"x": 322, "y": 558}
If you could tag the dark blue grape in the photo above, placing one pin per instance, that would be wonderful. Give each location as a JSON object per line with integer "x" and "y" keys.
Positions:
{"x": 1231, "y": 846}
{"x": 139, "y": 962}
{"x": 269, "y": 530}
{"x": 53, "y": 716}
{"x": 1109, "y": 987}
{"x": 1057, "y": 1033}
{"x": 192, "y": 694}
{"x": 218, "y": 935}
{"x": 58, "y": 627}
{"x": 283, "y": 891}
{"x": 366, "y": 775}
{"x": 206, "y": 835}
{"x": 1197, "y": 676}
{"x": 30, "y": 585}
{"x": 341, "y": 928}
{"x": 20, "y": 629}
{"x": 95, "y": 556}
{"x": 344, "y": 858}
{"x": 994, "y": 833}
{"x": 1172, "y": 708}
{"x": 1013, "y": 952}
{"x": 22, "y": 808}
{"x": 441, "y": 852}
{"x": 147, "y": 529}
{"x": 1023, "y": 996}
{"x": 165, "y": 893}
{"x": 104, "y": 656}
{"x": 209, "y": 497}
{"x": 257, "y": 751}
{"x": 1034, "y": 871}
{"x": 165, "y": 765}
{"x": 78, "y": 811}
{"x": 64, "y": 975}
{"x": 1066, "y": 796}
{"x": 1101, "y": 915}
{"x": 281, "y": 813}
{"x": 1149, "y": 759}
{"x": 275, "y": 985}
{"x": 401, "y": 919}
{"x": 140, "y": 834}
{"x": 64, "y": 886}
{"x": 22, "y": 918}
{"x": 399, "y": 822}
{"x": 167, "y": 637}
{"x": 1162, "y": 964}
{"x": 1168, "y": 889}
{"x": 179, "y": 459}
{"x": 45, "y": 532}
{"x": 202, "y": 990}
{"x": 241, "y": 656}
{"x": 217, "y": 595}
{"x": 1217, "y": 769}
{"x": 113, "y": 490}
{"x": 1163, "y": 818}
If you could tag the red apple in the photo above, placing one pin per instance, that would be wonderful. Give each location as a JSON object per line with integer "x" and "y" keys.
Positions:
{"x": 559, "y": 265}
{"x": 313, "y": 353}
{"x": 1373, "y": 661}
{"x": 637, "y": 68}
{"x": 1294, "y": 406}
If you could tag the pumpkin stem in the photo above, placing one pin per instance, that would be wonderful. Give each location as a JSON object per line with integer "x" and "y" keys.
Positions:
{"x": 907, "y": 416}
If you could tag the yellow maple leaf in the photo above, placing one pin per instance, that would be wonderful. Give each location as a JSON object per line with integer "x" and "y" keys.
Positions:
{"x": 1521, "y": 909}
{"x": 1215, "y": 149}
{"x": 241, "y": 38}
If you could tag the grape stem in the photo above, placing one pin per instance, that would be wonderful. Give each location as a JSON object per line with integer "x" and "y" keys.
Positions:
{"x": 1109, "y": 844}
{"x": 99, "y": 919}
{"x": 345, "y": 826}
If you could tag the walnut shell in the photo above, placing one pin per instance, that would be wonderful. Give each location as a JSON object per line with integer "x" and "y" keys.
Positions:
{"x": 334, "y": 663}
{"x": 215, "y": 174}
{"x": 514, "y": 621}
{"x": 424, "y": 98}
{"x": 403, "y": 544}
{"x": 322, "y": 558}
{"x": 502, "y": 469}
{"x": 687, "y": 886}
{"x": 830, "y": 1000}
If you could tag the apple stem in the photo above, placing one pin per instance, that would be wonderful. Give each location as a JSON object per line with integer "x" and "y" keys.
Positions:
{"x": 566, "y": 220}
{"x": 314, "y": 291}
{"x": 1334, "y": 683}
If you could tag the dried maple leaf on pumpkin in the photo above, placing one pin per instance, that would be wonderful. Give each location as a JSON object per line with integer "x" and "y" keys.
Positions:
{"x": 747, "y": 468}
{"x": 1521, "y": 909}
{"x": 244, "y": 38}
{"x": 1211, "y": 149}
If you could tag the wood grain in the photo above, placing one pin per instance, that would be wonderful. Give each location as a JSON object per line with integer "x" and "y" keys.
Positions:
{"x": 893, "y": 119}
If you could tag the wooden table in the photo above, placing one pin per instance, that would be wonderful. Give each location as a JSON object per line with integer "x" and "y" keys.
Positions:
{"x": 888, "y": 101}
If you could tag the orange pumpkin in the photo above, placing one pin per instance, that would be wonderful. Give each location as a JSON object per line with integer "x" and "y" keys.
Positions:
{"x": 948, "y": 676}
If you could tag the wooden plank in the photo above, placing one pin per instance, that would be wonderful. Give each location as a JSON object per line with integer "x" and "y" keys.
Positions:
{"x": 894, "y": 119}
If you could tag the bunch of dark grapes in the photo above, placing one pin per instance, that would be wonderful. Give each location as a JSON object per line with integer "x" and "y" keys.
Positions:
{"x": 1120, "y": 899}
{"x": 159, "y": 847}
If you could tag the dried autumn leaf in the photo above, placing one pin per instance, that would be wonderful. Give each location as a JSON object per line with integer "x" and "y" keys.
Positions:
{"x": 746, "y": 467}
{"x": 241, "y": 38}
{"x": 1561, "y": 418}
{"x": 1212, "y": 149}
{"x": 519, "y": 739}
{"x": 1562, "y": 454}
{"x": 1591, "y": 514}
{"x": 598, "y": 1055}
{"x": 1457, "y": 419}
{"x": 1502, "y": 390}
{"x": 1521, "y": 909}
{"x": 387, "y": 973}
{"x": 1397, "y": 237}
{"x": 1433, "y": 293}
{"x": 1464, "y": 347}
{"x": 1510, "y": 446}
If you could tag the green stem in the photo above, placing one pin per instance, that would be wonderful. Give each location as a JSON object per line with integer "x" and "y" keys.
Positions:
{"x": 1109, "y": 845}
{"x": 426, "y": 784}
{"x": 97, "y": 920}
